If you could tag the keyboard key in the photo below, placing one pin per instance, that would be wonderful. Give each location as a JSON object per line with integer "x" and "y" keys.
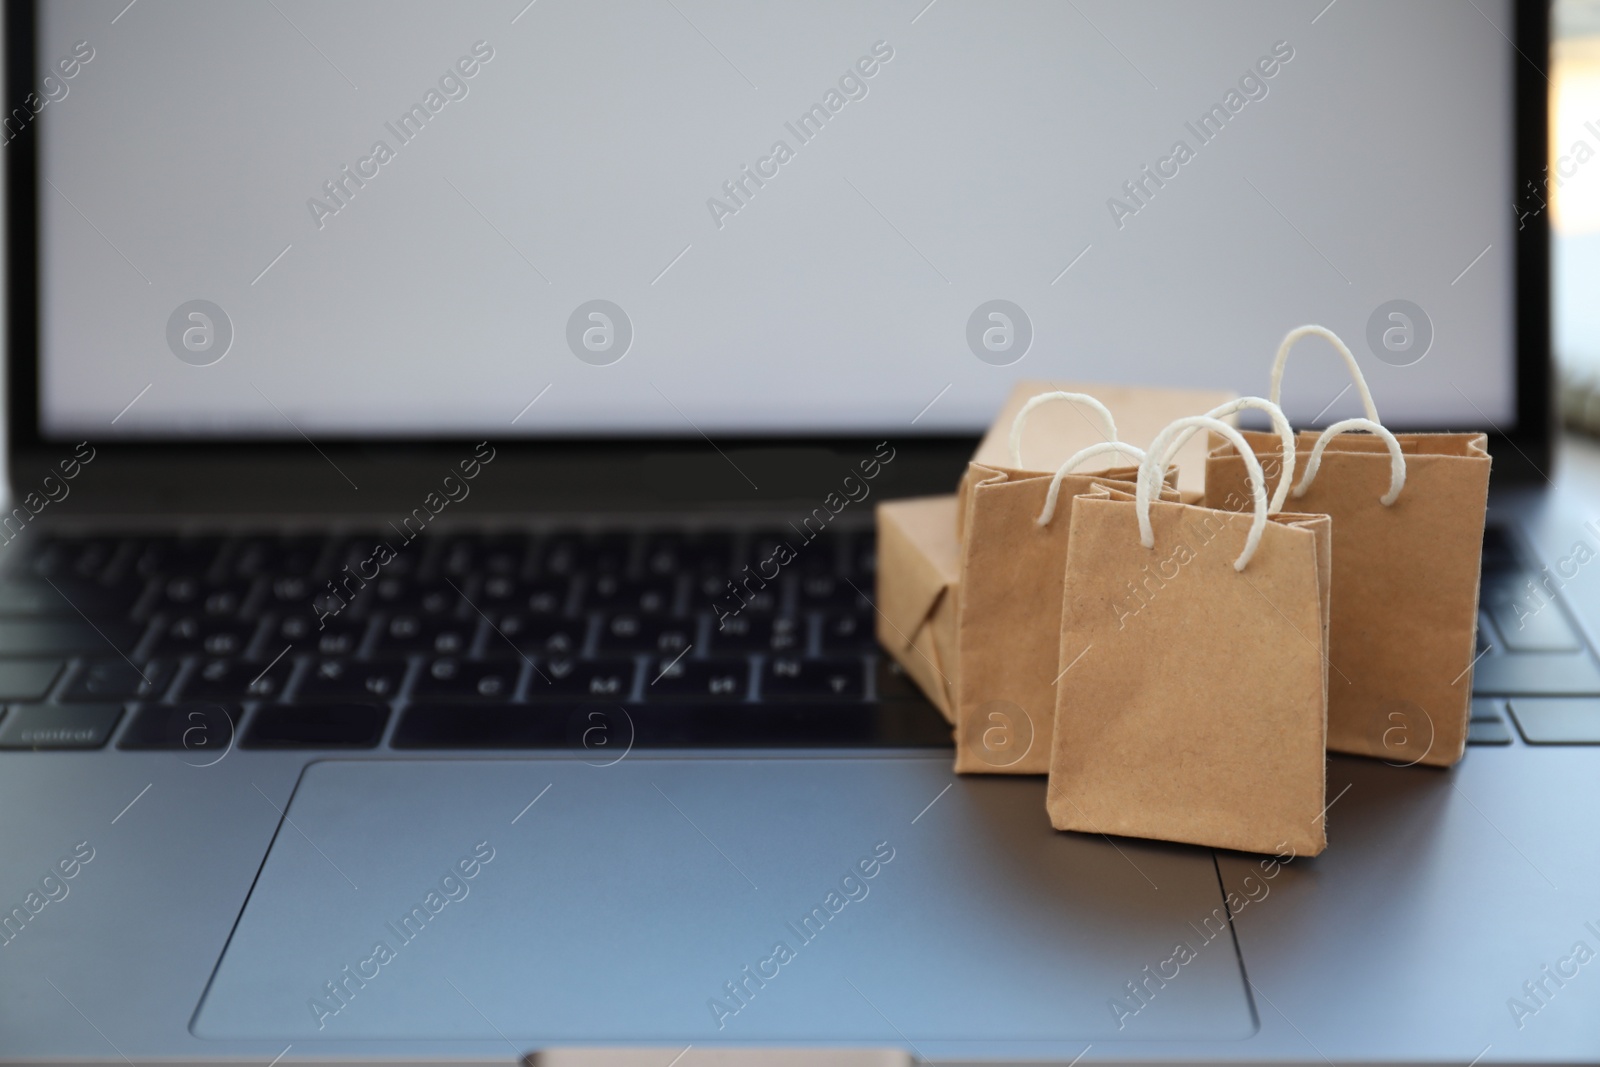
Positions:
{"x": 893, "y": 682}
{"x": 344, "y": 679}
{"x": 190, "y": 594}
{"x": 758, "y": 633}
{"x": 468, "y": 680}
{"x": 503, "y": 554}
{"x": 844, "y": 632}
{"x": 417, "y": 633}
{"x": 691, "y": 679}
{"x": 612, "y": 553}
{"x": 401, "y": 596}
{"x": 1499, "y": 553}
{"x": 830, "y": 592}
{"x": 222, "y": 679}
{"x": 295, "y": 591}
{"x": 1534, "y": 626}
{"x": 498, "y": 554}
{"x": 277, "y": 555}
{"x": 817, "y": 556}
{"x": 23, "y": 679}
{"x": 1487, "y": 708}
{"x": 789, "y": 550}
{"x": 1488, "y": 732}
{"x": 553, "y": 637}
{"x": 332, "y": 637}
{"x": 316, "y": 726}
{"x": 571, "y": 553}
{"x": 203, "y": 729}
{"x": 643, "y": 633}
{"x": 115, "y": 679}
{"x": 1509, "y": 586}
{"x": 668, "y": 553}
{"x": 39, "y": 726}
{"x": 861, "y": 562}
{"x": 224, "y": 601}
{"x": 736, "y": 597}
{"x": 790, "y": 678}
{"x": 178, "y": 555}
{"x": 1548, "y": 721}
{"x": 582, "y": 679}
{"x": 1536, "y": 674}
{"x": 362, "y": 557}
{"x": 78, "y": 557}
{"x": 534, "y": 596}
{"x": 46, "y": 637}
{"x": 195, "y": 633}
{"x": 470, "y": 725}
{"x": 607, "y": 592}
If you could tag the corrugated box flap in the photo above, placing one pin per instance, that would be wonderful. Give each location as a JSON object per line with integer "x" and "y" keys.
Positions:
{"x": 919, "y": 559}
{"x": 1055, "y": 432}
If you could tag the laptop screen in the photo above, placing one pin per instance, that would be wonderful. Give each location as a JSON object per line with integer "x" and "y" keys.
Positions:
{"x": 678, "y": 218}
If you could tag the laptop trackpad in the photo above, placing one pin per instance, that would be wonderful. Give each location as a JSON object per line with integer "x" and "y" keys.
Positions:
{"x": 700, "y": 901}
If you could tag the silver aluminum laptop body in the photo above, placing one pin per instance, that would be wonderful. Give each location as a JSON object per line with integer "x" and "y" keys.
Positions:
{"x": 693, "y": 875}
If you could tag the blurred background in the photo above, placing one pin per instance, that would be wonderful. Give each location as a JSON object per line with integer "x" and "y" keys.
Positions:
{"x": 1573, "y": 193}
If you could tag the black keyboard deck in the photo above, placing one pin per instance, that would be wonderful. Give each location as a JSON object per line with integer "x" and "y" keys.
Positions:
{"x": 572, "y": 638}
{"x": 581, "y": 639}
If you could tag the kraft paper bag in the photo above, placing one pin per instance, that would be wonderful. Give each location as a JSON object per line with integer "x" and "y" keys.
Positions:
{"x": 1408, "y": 512}
{"x": 1013, "y": 556}
{"x": 1140, "y": 413}
{"x": 918, "y": 566}
{"x": 1008, "y": 619}
{"x": 1192, "y": 703}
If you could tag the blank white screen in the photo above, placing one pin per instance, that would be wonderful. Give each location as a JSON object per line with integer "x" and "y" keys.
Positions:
{"x": 981, "y": 163}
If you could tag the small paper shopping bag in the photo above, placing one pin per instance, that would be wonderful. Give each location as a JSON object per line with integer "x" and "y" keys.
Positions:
{"x": 1192, "y": 701}
{"x": 1408, "y": 513}
{"x": 1013, "y": 552}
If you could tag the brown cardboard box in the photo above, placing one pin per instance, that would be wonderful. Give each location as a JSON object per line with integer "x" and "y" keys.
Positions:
{"x": 919, "y": 562}
{"x": 1056, "y": 432}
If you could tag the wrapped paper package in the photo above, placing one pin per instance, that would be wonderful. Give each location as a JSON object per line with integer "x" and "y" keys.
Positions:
{"x": 1140, "y": 413}
{"x": 918, "y": 564}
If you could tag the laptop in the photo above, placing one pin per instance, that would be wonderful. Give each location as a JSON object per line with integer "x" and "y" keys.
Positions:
{"x": 397, "y": 394}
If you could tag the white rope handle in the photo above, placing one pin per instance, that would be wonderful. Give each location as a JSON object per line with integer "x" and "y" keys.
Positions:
{"x": 1103, "y": 447}
{"x": 1109, "y": 430}
{"x": 1332, "y": 338}
{"x": 1397, "y": 459}
{"x": 1280, "y": 422}
{"x": 1154, "y": 468}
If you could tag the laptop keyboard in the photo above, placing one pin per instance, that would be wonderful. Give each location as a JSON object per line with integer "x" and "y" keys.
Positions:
{"x": 596, "y": 640}
{"x": 1535, "y": 665}
{"x": 570, "y": 638}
